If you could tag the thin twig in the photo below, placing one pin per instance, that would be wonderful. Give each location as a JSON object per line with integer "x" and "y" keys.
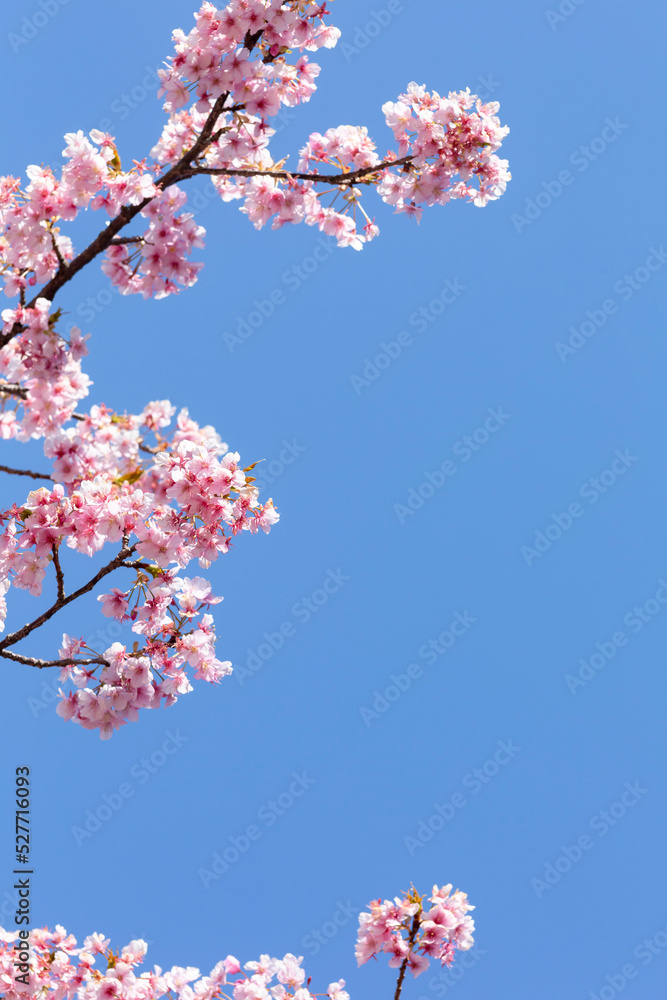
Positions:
{"x": 185, "y": 168}
{"x": 13, "y": 389}
{"x": 56, "y": 250}
{"x": 15, "y": 637}
{"x": 104, "y": 239}
{"x": 25, "y": 472}
{"x": 31, "y": 661}
{"x": 342, "y": 179}
{"x": 411, "y": 940}
{"x": 60, "y": 578}
{"x": 120, "y": 241}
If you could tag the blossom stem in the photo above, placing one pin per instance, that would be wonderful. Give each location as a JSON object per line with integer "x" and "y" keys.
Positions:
{"x": 25, "y": 472}
{"x": 186, "y": 167}
{"x": 59, "y": 574}
{"x": 31, "y": 661}
{"x": 342, "y": 179}
{"x": 11, "y": 389}
{"x": 411, "y": 940}
{"x": 15, "y": 637}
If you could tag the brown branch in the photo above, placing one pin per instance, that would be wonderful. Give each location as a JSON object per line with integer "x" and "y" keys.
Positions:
{"x": 25, "y": 472}
{"x": 411, "y": 940}
{"x": 56, "y": 250}
{"x": 120, "y": 241}
{"x": 15, "y": 637}
{"x": 60, "y": 578}
{"x": 13, "y": 389}
{"x": 344, "y": 179}
{"x": 31, "y": 661}
{"x": 138, "y": 564}
{"x": 105, "y": 239}
{"x": 185, "y": 168}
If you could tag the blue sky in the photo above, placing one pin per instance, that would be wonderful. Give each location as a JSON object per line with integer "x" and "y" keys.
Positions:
{"x": 570, "y": 755}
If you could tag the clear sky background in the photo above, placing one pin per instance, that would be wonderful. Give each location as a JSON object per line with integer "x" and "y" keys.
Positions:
{"x": 357, "y": 453}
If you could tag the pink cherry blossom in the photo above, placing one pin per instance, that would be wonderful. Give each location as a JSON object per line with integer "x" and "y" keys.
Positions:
{"x": 164, "y": 495}
{"x": 181, "y": 498}
{"x": 412, "y": 934}
{"x": 59, "y": 969}
{"x": 228, "y": 77}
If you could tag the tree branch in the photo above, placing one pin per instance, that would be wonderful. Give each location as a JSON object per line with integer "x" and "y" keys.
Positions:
{"x": 13, "y": 389}
{"x": 25, "y": 472}
{"x": 185, "y": 168}
{"x": 120, "y": 241}
{"x": 15, "y": 637}
{"x": 59, "y": 573}
{"x": 344, "y": 179}
{"x": 411, "y": 940}
{"x": 138, "y": 564}
{"x": 31, "y": 661}
{"x": 104, "y": 239}
{"x": 56, "y": 249}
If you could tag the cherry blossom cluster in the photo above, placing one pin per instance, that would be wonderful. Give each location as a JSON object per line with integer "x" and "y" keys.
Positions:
{"x": 447, "y": 146}
{"x": 115, "y": 478}
{"x": 111, "y": 692}
{"x": 228, "y": 77}
{"x": 41, "y": 380}
{"x": 158, "y": 262}
{"x": 412, "y": 933}
{"x": 166, "y": 501}
{"x": 56, "y": 968}
{"x": 452, "y": 145}
{"x": 241, "y": 53}
{"x": 60, "y": 970}
{"x": 32, "y": 248}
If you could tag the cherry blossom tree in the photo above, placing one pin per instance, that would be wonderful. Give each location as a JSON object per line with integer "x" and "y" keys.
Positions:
{"x": 410, "y": 930}
{"x": 162, "y": 493}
